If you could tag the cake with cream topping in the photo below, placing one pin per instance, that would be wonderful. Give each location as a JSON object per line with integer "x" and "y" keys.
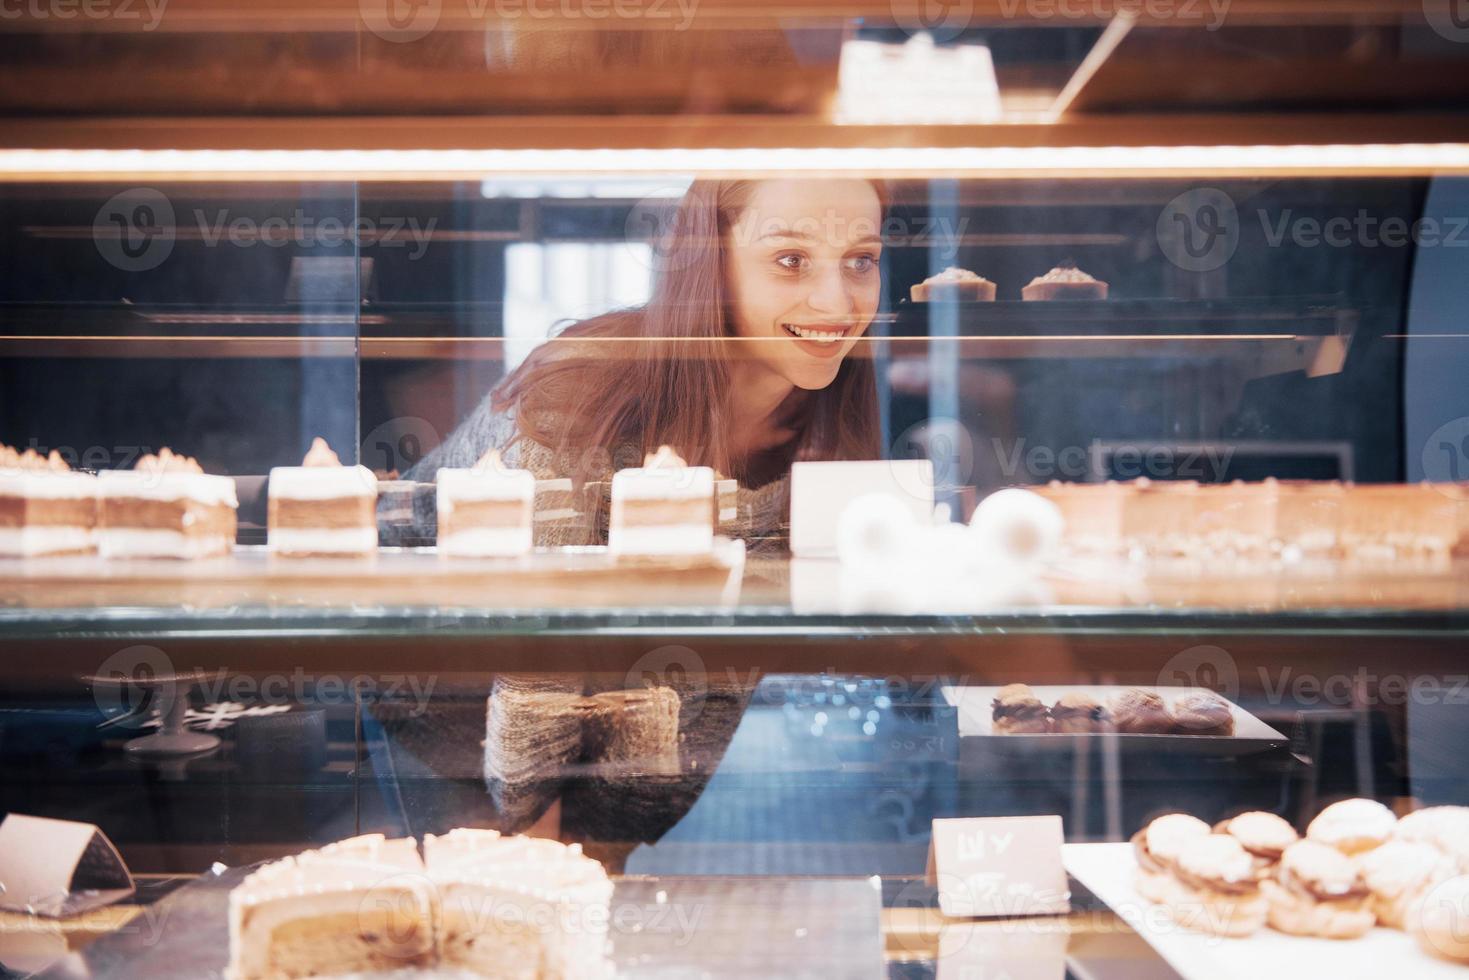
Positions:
{"x": 476, "y": 902}
{"x": 322, "y": 508}
{"x": 166, "y": 506}
{"x": 1065, "y": 281}
{"x": 666, "y": 507}
{"x": 953, "y": 284}
{"x": 486, "y": 510}
{"x": 45, "y": 507}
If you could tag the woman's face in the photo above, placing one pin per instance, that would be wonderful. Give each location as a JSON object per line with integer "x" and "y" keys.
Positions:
{"x": 802, "y": 265}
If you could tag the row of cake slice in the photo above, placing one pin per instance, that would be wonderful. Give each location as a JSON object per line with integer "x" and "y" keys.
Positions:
{"x": 168, "y": 507}
{"x": 474, "y": 902}
{"x": 1288, "y": 518}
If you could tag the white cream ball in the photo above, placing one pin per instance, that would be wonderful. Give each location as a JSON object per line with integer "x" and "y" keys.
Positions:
{"x": 1017, "y": 525}
{"x": 875, "y": 528}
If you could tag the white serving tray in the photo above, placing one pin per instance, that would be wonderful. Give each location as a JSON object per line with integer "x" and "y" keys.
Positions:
{"x": 976, "y": 721}
{"x": 1107, "y": 871}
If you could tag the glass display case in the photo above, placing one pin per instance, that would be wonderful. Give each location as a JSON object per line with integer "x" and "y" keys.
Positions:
{"x": 1070, "y": 428}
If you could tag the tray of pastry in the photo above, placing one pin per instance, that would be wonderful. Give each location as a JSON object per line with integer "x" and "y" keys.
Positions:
{"x": 1359, "y": 894}
{"x": 1186, "y": 720}
{"x": 1293, "y": 317}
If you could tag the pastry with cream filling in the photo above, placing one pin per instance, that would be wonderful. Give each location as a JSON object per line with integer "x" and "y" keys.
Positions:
{"x": 166, "y": 506}
{"x": 45, "y": 508}
{"x": 322, "y": 508}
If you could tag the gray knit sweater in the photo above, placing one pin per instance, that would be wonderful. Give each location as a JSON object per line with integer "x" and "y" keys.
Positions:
{"x": 761, "y": 510}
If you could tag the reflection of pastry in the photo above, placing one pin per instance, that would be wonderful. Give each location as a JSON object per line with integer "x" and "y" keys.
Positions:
{"x": 1318, "y": 892}
{"x": 1400, "y": 873}
{"x": 634, "y": 732}
{"x": 1080, "y": 712}
{"x": 1264, "y": 835}
{"x": 1437, "y": 922}
{"x": 1065, "y": 281}
{"x": 1353, "y": 826}
{"x": 1136, "y": 711}
{"x": 533, "y": 732}
{"x": 953, "y": 284}
{"x": 1018, "y": 711}
{"x": 1203, "y": 713}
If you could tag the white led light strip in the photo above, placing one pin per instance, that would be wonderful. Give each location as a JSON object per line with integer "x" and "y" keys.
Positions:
{"x": 970, "y": 162}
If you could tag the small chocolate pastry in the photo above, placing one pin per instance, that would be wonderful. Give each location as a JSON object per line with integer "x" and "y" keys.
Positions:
{"x": 1018, "y": 711}
{"x": 1203, "y": 713}
{"x": 1079, "y": 712}
{"x": 1139, "y": 712}
{"x": 1264, "y": 835}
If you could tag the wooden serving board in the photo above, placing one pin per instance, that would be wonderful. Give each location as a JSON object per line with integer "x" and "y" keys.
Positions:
{"x": 712, "y": 928}
{"x": 558, "y": 577}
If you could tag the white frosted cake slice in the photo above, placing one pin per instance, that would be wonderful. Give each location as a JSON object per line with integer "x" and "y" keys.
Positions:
{"x": 519, "y": 906}
{"x": 355, "y": 906}
{"x": 664, "y": 508}
{"x": 322, "y": 508}
{"x": 165, "y": 507}
{"x": 486, "y": 510}
{"x": 45, "y": 508}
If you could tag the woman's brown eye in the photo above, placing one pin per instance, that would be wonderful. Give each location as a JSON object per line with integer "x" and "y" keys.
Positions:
{"x": 791, "y": 263}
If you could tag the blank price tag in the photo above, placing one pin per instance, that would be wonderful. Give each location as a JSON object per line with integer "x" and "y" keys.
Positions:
{"x": 999, "y": 866}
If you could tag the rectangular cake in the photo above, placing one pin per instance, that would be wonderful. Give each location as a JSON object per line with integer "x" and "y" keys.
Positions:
{"x": 322, "y": 508}
{"x": 45, "y": 508}
{"x": 1308, "y": 515}
{"x": 165, "y": 507}
{"x": 664, "y": 508}
{"x": 357, "y": 906}
{"x": 1092, "y": 513}
{"x": 1159, "y": 518}
{"x": 1235, "y": 518}
{"x": 485, "y": 511}
{"x": 1397, "y": 520}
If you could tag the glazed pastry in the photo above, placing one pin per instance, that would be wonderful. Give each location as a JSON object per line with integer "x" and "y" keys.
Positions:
{"x": 1353, "y": 826}
{"x": 1079, "y": 712}
{"x": 1139, "y": 712}
{"x": 1318, "y": 892}
{"x": 1203, "y": 713}
{"x": 1157, "y": 848}
{"x": 1018, "y": 711}
{"x": 1400, "y": 873}
{"x": 1444, "y": 827}
{"x": 1438, "y": 921}
{"x": 1065, "y": 281}
{"x": 954, "y": 284}
{"x": 1264, "y": 835}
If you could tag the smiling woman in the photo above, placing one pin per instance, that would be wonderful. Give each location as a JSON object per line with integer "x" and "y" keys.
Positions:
{"x": 742, "y": 359}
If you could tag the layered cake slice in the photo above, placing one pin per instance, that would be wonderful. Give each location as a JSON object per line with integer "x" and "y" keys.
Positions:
{"x": 555, "y": 512}
{"x": 1236, "y": 518}
{"x": 1065, "y": 281}
{"x": 322, "y": 508}
{"x": 45, "y": 508}
{"x": 486, "y": 510}
{"x": 359, "y": 905}
{"x": 518, "y": 906}
{"x": 1308, "y": 515}
{"x": 165, "y": 507}
{"x": 1159, "y": 517}
{"x": 664, "y": 508}
{"x": 726, "y": 505}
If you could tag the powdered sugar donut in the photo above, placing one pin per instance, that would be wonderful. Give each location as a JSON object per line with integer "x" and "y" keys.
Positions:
{"x": 1017, "y": 525}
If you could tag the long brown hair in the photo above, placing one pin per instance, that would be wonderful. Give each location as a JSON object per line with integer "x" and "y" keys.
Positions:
{"x": 621, "y": 384}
